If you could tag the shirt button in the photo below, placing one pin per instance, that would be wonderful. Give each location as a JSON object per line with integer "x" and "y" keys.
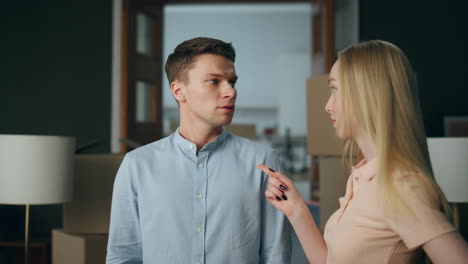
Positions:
{"x": 200, "y": 196}
{"x": 191, "y": 146}
{"x": 199, "y": 229}
{"x": 201, "y": 165}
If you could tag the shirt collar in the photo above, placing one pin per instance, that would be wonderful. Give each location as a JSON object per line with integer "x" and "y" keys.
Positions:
{"x": 190, "y": 148}
{"x": 365, "y": 170}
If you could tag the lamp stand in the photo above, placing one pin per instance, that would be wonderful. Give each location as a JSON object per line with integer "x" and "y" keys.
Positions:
{"x": 26, "y": 236}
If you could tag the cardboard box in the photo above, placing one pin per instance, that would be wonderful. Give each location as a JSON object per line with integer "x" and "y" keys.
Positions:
{"x": 89, "y": 211}
{"x": 78, "y": 249}
{"x": 321, "y": 135}
{"x": 332, "y": 180}
{"x": 242, "y": 130}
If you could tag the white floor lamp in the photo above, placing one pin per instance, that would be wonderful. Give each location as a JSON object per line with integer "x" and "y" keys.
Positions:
{"x": 35, "y": 170}
{"x": 449, "y": 158}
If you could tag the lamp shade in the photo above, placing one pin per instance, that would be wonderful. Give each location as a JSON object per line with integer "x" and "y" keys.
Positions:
{"x": 449, "y": 158}
{"x": 36, "y": 169}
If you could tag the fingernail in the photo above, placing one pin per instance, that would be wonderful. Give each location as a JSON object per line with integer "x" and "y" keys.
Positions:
{"x": 284, "y": 197}
{"x": 277, "y": 198}
{"x": 282, "y": 187}
{"x": 272, "y": 170}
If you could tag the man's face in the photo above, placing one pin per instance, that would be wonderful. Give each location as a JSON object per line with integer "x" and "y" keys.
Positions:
{"x": 209, "y": 91}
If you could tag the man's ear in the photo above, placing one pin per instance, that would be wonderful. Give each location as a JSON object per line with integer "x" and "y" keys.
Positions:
{"x": 177, "y": 89}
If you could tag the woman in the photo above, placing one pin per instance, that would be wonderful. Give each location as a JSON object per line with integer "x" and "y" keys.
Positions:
{"x": 392, "y": 209}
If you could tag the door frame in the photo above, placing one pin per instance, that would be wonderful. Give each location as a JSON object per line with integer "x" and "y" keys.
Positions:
{"x": 118, "y": 39}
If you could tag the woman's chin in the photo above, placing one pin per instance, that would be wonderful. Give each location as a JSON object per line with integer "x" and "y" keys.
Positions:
{"x": 343, "y": 136}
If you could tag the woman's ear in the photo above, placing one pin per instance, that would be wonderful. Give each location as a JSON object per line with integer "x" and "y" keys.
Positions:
{"x": 177, "y": 89}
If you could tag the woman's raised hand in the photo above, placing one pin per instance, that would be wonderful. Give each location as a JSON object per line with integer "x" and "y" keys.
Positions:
{"x": 282, "y": 193}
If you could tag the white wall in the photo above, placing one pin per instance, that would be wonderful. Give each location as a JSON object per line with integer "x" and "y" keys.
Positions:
{"x": 261, "y": 35}
{"x": 293, "y": 72}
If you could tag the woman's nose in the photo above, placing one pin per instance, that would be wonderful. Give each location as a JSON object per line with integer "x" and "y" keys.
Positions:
{"x": 328, "y": 106}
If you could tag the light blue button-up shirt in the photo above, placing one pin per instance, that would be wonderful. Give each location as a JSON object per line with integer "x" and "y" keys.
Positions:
{"x": 171, "y": 206}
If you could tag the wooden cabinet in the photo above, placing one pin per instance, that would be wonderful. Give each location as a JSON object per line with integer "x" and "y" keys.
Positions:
{"x": 13, "y": 252}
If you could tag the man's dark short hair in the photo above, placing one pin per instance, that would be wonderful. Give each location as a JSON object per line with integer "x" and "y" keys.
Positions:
{"x": 178, "y": 63}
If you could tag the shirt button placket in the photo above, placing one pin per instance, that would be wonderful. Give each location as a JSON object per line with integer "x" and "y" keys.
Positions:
{"x": 200, "y": 209}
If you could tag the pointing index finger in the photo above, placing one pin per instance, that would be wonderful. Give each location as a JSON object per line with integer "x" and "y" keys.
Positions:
{"x": 275, "y": 174}
{"x": 267, "y": 170}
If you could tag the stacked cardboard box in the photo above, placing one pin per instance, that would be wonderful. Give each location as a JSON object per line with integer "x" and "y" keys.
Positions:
{"x": 83, "y": 239}
{"x": 78, "y": 249}
{"x": 322, "y": 142}
{"x": 243, "y": 130}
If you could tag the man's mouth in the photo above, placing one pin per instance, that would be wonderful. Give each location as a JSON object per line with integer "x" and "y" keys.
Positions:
{"x": 229, "y": 107}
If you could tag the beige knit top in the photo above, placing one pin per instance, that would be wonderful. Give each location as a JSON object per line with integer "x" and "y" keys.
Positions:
{"x": 361, "y": 231}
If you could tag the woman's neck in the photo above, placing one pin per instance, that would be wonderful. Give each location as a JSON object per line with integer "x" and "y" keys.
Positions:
{"x": 365, "y": 145}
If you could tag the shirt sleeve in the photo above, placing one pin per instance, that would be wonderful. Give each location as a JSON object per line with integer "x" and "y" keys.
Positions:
{"x": 276, "y": 239}
{"x": 424, "y": 221}
{"x": 124, "y": 245}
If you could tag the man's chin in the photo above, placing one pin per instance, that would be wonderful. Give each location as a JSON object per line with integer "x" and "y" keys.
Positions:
{"x": 226, "y": 121}
{"x": 221, "y": 121}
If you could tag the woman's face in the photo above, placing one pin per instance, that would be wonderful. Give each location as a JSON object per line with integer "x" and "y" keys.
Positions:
{"x": 334, "y": 104}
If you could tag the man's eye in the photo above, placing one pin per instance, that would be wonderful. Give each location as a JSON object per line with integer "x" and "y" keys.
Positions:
{"x": 233, "y": 83}
{"x": 213, "y": 81}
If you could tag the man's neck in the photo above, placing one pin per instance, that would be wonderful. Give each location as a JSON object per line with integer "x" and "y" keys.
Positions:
{"x": 200, "y": 135}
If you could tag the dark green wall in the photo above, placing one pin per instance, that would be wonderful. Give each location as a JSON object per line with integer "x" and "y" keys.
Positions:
{"x": 57, "y": 72}
{"x": 434, "y": 36}
{"x": 55, "y": 80}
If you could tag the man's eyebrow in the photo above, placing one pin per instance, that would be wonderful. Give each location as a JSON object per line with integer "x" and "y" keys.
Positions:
{"x": 215, "y": 74}
{"x": 331, "y": 79}
{"x": 235, "y": 77}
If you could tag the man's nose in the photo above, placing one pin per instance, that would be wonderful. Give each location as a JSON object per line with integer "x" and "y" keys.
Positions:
{"x": 229, "y": 90}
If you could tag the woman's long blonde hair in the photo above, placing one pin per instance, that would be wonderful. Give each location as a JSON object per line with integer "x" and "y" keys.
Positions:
{"x": 379, "y": 92}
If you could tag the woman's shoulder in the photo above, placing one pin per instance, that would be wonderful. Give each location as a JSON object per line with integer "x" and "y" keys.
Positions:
{"x": 414, "y": 186}
{"x": 405, "y": 177}
{"x": 421, "y": 218}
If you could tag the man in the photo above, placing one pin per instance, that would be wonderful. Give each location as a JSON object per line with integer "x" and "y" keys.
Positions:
{"x": 195, "y": 196}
